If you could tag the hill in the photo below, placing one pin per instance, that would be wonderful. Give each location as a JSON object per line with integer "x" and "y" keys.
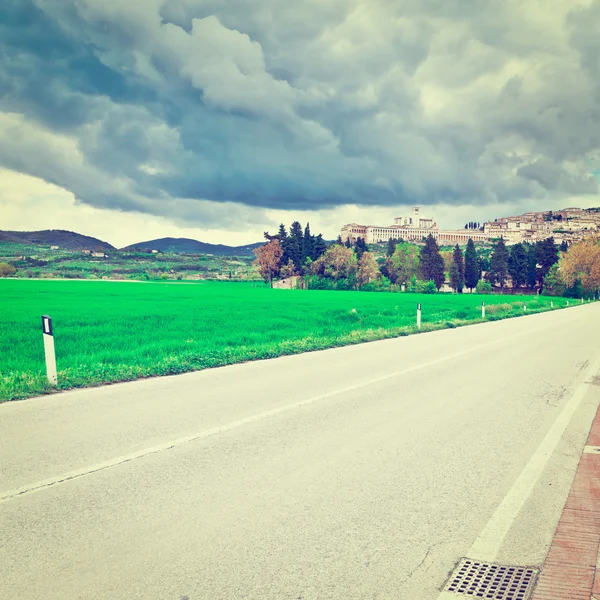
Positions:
{"x": 55, "y": 237}
{"x": 189, "y": 246}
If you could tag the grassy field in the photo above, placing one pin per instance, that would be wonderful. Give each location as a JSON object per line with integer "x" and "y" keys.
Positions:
{"x": 110, "y": 331}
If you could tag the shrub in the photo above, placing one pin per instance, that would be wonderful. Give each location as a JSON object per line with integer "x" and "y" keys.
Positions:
{"x": 421, "y": 287}
{"x": 494, "y": 308}
{"x": 6, "y": 270}
{"x": 483, "y": 287}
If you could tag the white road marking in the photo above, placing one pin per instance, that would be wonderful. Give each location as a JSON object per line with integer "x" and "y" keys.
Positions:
{"x": 490, "y": 540}
{"x": 39, "y": 485}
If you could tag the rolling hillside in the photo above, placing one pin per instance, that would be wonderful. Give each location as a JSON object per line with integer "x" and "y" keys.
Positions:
{"x": 189, "y": 246}
{"x": 55, "y": 237}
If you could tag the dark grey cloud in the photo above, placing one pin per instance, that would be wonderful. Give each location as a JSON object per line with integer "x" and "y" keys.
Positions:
{"x": 150, "y": 105}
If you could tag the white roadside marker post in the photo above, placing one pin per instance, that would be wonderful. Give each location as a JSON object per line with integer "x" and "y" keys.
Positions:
{"x": 418, "y": 316}
{"x": 582, "y": 301}
{"x": 567, "y": 303}
{"x": 48, "y": 336}
{"x": 524, "y": 306}
{"x": 551, "y": 304}
{"x": 483, "y": 310}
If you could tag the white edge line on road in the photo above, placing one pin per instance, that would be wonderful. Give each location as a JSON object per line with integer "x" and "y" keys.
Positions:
{"x": 491, "y": 538}
{"x": 39, "y": 485}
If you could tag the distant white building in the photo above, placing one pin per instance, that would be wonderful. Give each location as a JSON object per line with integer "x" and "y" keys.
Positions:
{"x": 413, "y": 227}
{"x": 415, "y": 220}
{"x": 569, "y": 224}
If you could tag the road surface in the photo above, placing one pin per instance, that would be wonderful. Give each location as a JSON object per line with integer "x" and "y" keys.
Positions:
{"x": 363, "y": 472}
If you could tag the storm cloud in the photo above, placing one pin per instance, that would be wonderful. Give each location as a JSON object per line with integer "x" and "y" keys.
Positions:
{"x": 159, "y": 106}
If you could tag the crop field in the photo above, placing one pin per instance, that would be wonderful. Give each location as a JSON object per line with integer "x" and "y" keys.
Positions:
{"x": 117, "y": 331}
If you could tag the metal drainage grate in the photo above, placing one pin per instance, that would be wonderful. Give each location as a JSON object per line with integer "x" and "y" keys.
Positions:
{"x": 496, "y": 582}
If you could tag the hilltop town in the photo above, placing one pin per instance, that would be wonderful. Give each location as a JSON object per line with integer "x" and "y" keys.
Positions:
{"x": 568, "y": 224}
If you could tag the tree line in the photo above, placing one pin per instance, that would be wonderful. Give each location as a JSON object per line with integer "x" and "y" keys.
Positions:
{"x": 288, "y": 254}
{"x": 543, "y": 266}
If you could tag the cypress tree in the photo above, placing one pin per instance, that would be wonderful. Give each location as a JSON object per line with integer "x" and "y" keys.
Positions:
{"x": 547, "y": 255}
{"x": 531, "y": 251}
{"x": 292, "y": 245}
{"x": 391, "y": 246}
{"x": 472, "y": 270}
{"x": 517, "y": 265}
{"x": 360, "y": 247}
{"x": 319, "y": 247}
{"x": 499, "y": 264}
{"x": 457, "y": 270}
{"x": 431, "y": 263}
{"x": 308, "y": 241}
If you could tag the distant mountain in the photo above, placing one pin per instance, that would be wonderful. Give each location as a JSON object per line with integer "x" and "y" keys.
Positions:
{"x": 188, "y": 246}
{"x": 55, "y": 237}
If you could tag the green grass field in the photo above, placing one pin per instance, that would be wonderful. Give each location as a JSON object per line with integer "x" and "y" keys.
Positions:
{"x": 110, "y": 331}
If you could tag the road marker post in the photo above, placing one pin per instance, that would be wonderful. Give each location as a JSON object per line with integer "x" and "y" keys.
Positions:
{"x": 483, "y": 310}
{"x": 551, "y": 304}
{"x": 48, "y": 335}
{"x": 582, "y": 301}
{"x": 418, "y": 316}
{"x": 524, "y": 306}
{"x": 567, "y": 303}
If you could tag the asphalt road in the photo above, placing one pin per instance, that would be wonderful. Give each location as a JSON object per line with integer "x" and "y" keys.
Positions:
{"x": 363, "y": 472}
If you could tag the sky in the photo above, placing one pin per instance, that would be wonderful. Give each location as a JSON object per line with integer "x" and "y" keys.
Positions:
{"x": 219, "y": 119}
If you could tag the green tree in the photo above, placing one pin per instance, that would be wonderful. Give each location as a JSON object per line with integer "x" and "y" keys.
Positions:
{"x": 360, "y": 247}
{"x": 431, "y": 263}
{"x": 517, "y": 265}
{"x": 547, "y": 255}
{"x": 553, "y": 283}
{"x": 308, "y": 241}
{"x": 457, "y": 270}
{"x": 531, "y": 265}
{"x": 403, "y": 264}
{"x": 319, "y": 247}
{"x": 391, "y": 247}
{"x": 472, "y": 270}
{"x": 292, "y": 246}
{"x": 498, "y": 272}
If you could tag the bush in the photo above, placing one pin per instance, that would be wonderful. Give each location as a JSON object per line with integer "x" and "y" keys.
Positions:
{"x": 6, "y": 270}
{"x": 483, "y": 287}
{"x": 416, "y": 286}
{"x": 495, "y": 308}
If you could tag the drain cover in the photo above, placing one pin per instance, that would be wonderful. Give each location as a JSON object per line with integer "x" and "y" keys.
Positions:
{"x": 496, "y": 582}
